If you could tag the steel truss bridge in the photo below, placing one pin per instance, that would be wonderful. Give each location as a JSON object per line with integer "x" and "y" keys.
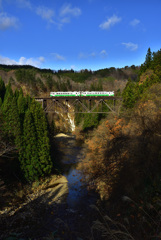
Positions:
{"x": 79, "y": 104}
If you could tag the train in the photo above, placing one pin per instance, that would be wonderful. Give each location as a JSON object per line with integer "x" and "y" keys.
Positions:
{"x": 82, "y": 94}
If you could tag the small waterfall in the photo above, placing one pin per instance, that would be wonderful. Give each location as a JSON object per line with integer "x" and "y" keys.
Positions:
{"x": 71, "y": 119}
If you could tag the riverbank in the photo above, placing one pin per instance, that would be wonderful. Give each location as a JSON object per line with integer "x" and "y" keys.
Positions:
{"x": 58, "y": 208}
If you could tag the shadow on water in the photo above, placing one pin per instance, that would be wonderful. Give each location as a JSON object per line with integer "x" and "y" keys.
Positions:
{"x": 72, "y": 154}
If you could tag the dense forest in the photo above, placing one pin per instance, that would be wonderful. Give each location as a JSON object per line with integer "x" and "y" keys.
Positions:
{"x": 39, "y": 82}
{"x": 24, "y": 133}
{"x": 123, "y": 159}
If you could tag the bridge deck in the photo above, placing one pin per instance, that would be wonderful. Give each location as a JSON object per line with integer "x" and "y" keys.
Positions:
{"x": 51, "y": 104}
{"x": 81, "y": 98}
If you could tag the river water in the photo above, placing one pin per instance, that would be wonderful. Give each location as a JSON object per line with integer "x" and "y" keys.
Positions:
{"x": 76, "y": 213}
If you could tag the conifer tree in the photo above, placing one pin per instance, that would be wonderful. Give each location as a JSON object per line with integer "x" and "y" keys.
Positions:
{"x": 148, "y": 59}
{"x": 8, "y": 90}
{"x": 0, "y": 101}
{"x": 130, "y": 94}
{"x": 11, "y": 116}
{"x": 43, "y": 142}
{"x": 22, "y": 107}
{"x": 16, "y": 94}
{"x": 2, "y": 89}
{"x": 29, "y": 154}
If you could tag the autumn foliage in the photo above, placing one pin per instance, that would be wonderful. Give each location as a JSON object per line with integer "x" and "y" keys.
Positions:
{"x": 124, "y": 152}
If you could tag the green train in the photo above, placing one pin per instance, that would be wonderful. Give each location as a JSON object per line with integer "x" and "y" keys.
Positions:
{"x": 82, "y": 94}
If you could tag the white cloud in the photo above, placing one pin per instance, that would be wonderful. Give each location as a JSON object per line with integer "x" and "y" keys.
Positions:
{"x": 24, "y": 4}
{"x": 67, "y": 10}
{"x": 135, "y": 22}
{"x": 82, "y": 55}
{"x": 103, "y": 53}
{"x": 7, "y": 21}
{"x": 73, "y": 67}
{"x": 22, "y": 61}
{"x": 93, "y": 54}
{"x": 7, "y": 61}
{"x": 110, "y": 22}
{"x": 45, "y": 13}
{"x": 58, "y": 57}
{"x": 31, "y": 61}
{"x": 131, "y": 46}
{"x": 41, "y": 59}
{"x": 65, "y": 20}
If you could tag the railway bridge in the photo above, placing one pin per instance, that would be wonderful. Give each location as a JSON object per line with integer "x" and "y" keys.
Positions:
{"x": 79, "y": 104}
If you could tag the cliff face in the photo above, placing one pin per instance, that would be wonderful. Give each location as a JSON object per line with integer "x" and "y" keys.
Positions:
{"x": 63, "y": 122}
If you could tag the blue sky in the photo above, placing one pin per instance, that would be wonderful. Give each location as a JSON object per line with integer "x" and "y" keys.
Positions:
{"x": 78, "y": 34}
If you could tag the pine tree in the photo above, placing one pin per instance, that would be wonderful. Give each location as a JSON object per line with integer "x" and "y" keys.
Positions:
{"x": 148, "y": 59}
{"x": 11, "y": 116}
{"x": 43, "y": 142}
{"x": 29, "y": 153}
{"x": 2, "y": 89}
{"x": 0, "y": 101}
{"x": 8, "y": 90}
{"x": 16, "y": 94}
{"x": 22, "y": 107}
{"x": 130, "y": 94}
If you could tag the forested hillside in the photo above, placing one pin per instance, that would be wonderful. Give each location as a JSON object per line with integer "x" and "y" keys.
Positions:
{"x": 123, "y": 155}
{"x": 39, "y": 82}
{"x": 123, "y": 162}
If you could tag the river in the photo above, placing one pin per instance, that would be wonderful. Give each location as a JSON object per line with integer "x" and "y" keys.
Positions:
{"x": 74, "y": 217}
{"x": 60, "y": 210}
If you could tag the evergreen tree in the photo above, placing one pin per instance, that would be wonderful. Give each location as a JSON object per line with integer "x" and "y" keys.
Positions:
{"x": 9, "y": 90}
{"x": 29, "y": 153}
{"x": 11, "y": 116}
{"x": 130, "y": 94}
{"x": 90, "y": 121}
{"x": 43, "y": 143}
{"x": 148, "y": 62}
{"x": 22, "y": 107}
{"x": 148, "y": 59}
{"x": 16, "y": 94}
{"x": 2, "y": 89}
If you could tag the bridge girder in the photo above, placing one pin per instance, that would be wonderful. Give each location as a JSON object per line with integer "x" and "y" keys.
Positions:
{"x": 77, "y": 104}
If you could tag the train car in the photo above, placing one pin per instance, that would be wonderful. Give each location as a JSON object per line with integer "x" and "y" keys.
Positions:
{"x": 65, "y": 94}
{"x": 97, "y": 93}
{"x": 82, "y": 94}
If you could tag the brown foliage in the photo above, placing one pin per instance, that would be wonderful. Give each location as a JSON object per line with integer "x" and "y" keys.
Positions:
{"x": 123, "y": 154}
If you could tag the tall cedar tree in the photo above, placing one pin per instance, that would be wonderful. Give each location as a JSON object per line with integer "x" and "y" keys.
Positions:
{"x": 2, "y": 89}
{"x": 43, "y": 142}
{"x": 130, "y": 94}
{"x": 11, "y": 116}
{"x": 22, "y": 107}
{"x": 29, "y": 151}
{"x": 148, "y": 59}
